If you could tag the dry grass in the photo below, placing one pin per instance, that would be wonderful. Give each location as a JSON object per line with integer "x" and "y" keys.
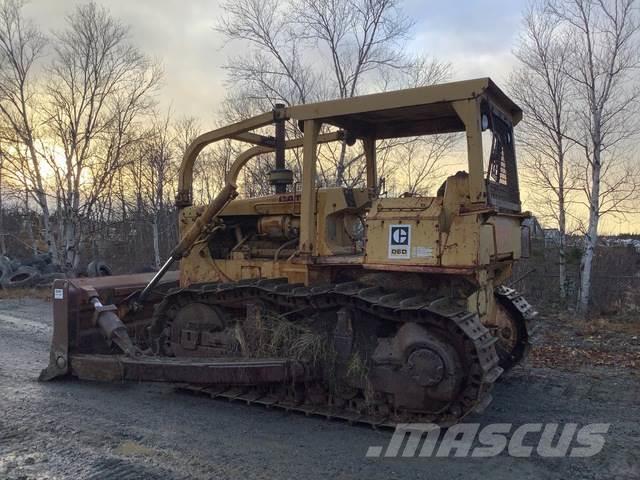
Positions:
{"x": 358, "y": 371}
{"x": 356, "y": 367}
{"x": 628, "y": 307}
{"x": 274, "y": 336}
{"x": 42, "y": 293}
{"x": 628, "y": 325}
{"x": 269, "y": 335}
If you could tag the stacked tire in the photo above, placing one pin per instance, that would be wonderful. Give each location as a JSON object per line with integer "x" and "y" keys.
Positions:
{"x": 39, "y": 271}
{"x": 23, "y": 277}
{"x": 98, "y": 269}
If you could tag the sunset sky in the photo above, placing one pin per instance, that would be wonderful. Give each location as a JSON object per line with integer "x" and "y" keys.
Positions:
{"x": 475, "y": 36}
{"x": 477, "y": 41}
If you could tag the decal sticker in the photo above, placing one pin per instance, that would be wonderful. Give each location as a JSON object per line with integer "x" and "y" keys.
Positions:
{"x": 423, "y": 252}
{"x": 399, "y": 241}
{"x": 58, "y": 293}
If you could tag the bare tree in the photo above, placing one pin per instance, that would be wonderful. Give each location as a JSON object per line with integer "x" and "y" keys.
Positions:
{"x": 185, "y": 130}
{"x": 21, "y": 46}
{"x": 274, "y": 68}
{"x": 542, "y": 87}
{"x": 3, "y": 243}
{"x": 212, "y": 169}
{"x": 213, "y": 162}
{"x": 305, "y": 51}
{"x": 100, "y": 85}
{"x": 419, "y": 164}
{"x": 602, "y": 62}
{"x": 156, "y": 173}
{"x": 360, "y": 36}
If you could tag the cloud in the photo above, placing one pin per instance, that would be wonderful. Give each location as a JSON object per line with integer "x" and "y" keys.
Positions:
{"x": 475, "y": 36}
{"x": 180, "y": 34}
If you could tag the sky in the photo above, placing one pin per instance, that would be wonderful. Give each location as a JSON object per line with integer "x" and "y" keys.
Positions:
{"x": 475, "y": 36}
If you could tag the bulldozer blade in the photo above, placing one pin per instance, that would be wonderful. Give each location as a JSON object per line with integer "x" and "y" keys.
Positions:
{"x": 74, "y": 315}
{"x": 227, "y": 371}
{"x": 86, "y": 332}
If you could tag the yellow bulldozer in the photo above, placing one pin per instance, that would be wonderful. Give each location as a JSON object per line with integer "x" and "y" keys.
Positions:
{"x": 341, "y": 302}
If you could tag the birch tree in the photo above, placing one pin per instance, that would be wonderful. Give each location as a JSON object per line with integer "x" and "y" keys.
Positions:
{"x": 156, "y": 174}
{"x": 602, "y": 63}
{"x": 3, "y": 243}
{"x": 100, "y": 86}
{"x": 542, "y": 88}
{"x": 21, "y": 46}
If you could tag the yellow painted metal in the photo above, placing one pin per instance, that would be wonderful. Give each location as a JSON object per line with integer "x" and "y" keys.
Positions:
{"x": 411, "y": 97}
{"x": 185, "y": 174}
{"x": 338, "y": 220}
{"x": 244, "y": 157}
{"x": 308, "y": 207}
{"x": 455, "y": 233}
{"x": 430, "y": 109}
{"x": 469, "y": 113}
{"x": 369, "y": 147}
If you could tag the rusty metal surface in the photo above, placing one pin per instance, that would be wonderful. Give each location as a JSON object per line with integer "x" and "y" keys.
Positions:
{"x": 409, "y": 380}
{"x": 510, "y": 326}
{"x": 113, "y": 368}
{"x": 405, "y": 391}
{"x": 117, "y": 287}
{"x": 73, "y": 314}
{"x": 419, "y": 268}
{"x": 59, "y": 351}
{"x": 122, "y": 281}
{"x": 338, "y": 260}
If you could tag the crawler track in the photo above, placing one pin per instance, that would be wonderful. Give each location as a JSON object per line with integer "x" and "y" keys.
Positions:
{"x": 520, "y": 312}
{"x": 473, "y": 342}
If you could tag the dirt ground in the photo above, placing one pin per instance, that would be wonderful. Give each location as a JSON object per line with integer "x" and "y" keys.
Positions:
{"x": 71, "y": 429}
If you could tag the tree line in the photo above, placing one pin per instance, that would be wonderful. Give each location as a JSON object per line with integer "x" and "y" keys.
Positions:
{"x": 85, "y": 145}
{"x": 577, "y": 81}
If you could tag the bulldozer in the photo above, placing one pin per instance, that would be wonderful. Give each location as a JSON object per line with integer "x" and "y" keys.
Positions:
{"x": 336, "y": 301}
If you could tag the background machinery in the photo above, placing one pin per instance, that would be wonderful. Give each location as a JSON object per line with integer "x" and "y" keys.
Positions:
{"x": 335, "y": 301}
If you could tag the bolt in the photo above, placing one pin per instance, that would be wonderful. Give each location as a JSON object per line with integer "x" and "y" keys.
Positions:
{"x": 61, "y": 362}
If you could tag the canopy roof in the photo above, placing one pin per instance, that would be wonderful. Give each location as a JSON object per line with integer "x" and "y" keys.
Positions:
{"x": 416, "y": 111}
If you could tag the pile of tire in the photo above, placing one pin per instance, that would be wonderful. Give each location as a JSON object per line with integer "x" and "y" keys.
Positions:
{"x": 40, "y": 271}
{"x": 33, "y": 272}
{"x": 97, "y": 268}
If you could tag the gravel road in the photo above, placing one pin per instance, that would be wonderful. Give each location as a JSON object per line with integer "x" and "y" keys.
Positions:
{"x": 71, "y": 429}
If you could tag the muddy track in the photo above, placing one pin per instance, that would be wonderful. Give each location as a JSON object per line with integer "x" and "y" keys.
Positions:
{"x": 71, "y": 429}
{"x": 393, "y": 307}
